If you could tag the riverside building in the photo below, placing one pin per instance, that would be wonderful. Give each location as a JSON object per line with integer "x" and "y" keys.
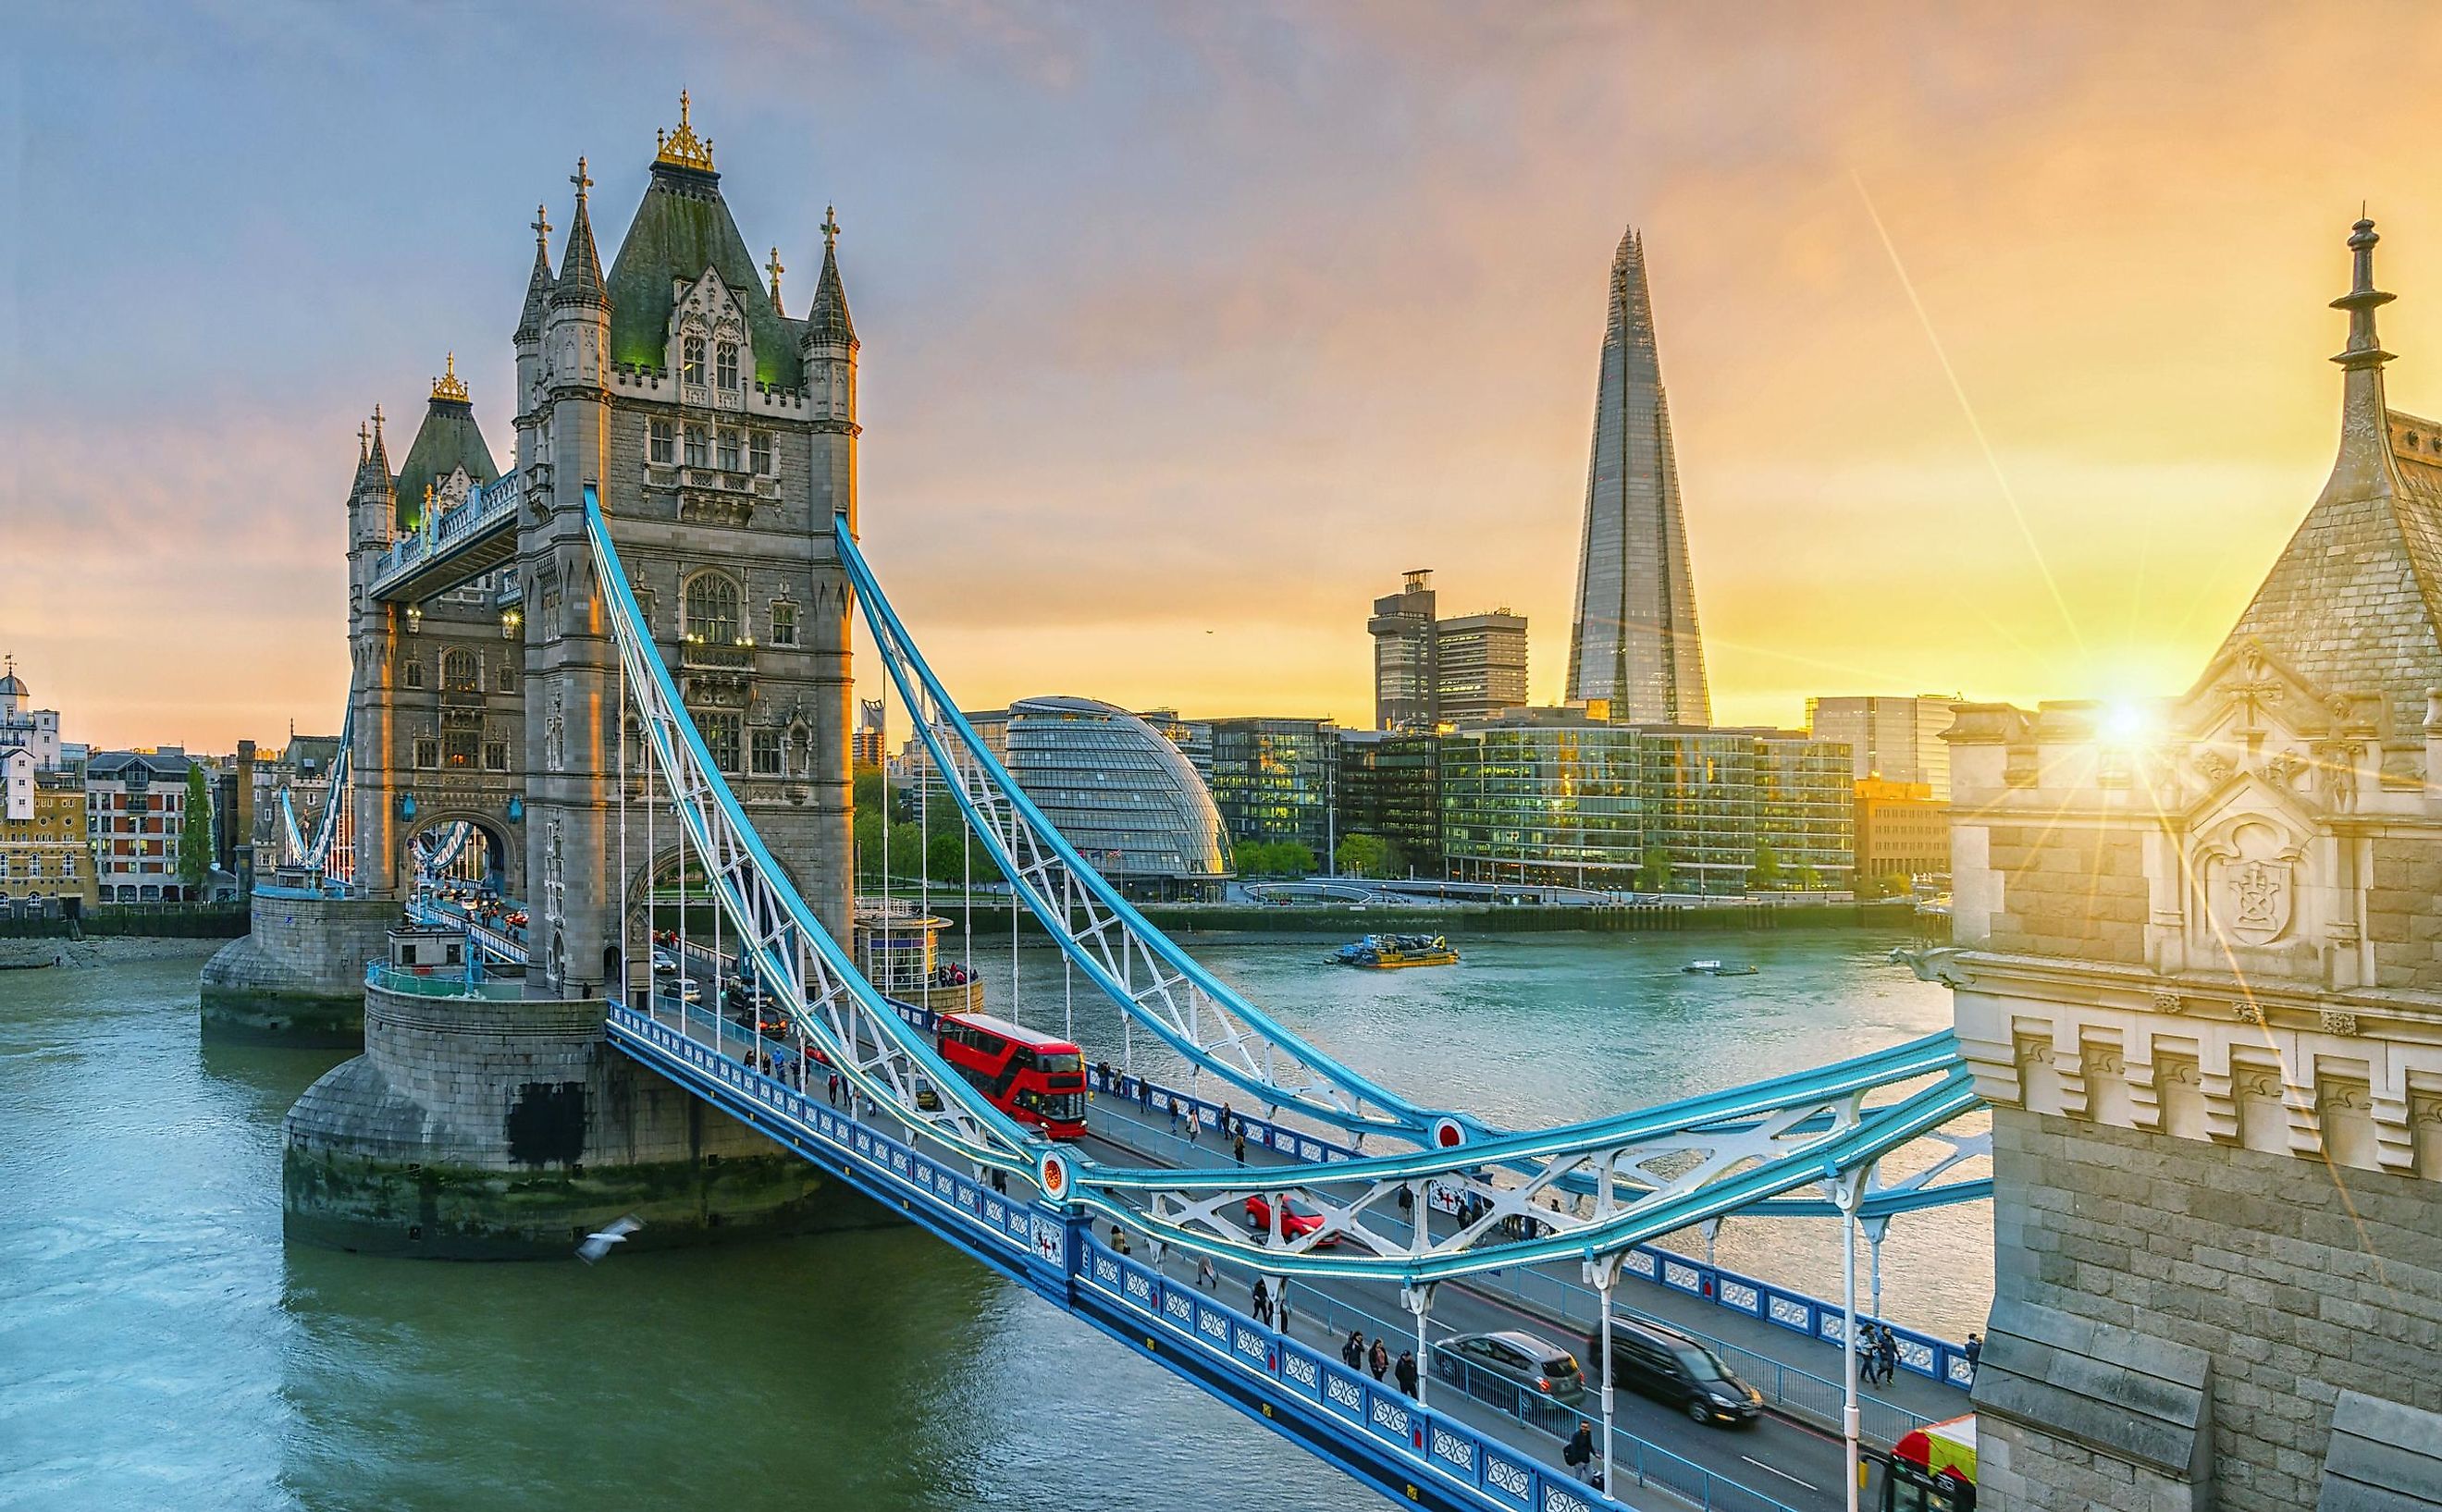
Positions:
{"x": 1125, "y": 796}
{"x": 1897, "y": 740}
{"x": 1431, "y": 671}
{"x": 1561, "y": 796}
{"x": 1273, "y": 778}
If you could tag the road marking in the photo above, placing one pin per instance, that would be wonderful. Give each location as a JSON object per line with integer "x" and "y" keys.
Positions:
{"x": 1783, "y": 1474}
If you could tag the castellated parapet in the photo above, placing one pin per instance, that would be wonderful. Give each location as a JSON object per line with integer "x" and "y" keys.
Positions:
{"x": 2200, "y": 981}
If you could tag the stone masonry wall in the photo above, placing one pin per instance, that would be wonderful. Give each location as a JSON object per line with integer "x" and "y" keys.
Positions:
{"x": 2298, "y": 1279}
{"x": 2402, "y": 923}
{"x": 2069, "y": 892}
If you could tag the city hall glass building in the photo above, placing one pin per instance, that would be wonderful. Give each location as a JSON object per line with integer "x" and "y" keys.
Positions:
{"x": 1125, "y": 796}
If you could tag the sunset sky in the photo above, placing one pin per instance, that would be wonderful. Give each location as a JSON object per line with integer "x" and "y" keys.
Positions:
{"x": 1188, "y": 328}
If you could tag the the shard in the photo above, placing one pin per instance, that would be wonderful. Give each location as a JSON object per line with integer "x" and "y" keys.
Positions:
{"x": 1634, "y": 641}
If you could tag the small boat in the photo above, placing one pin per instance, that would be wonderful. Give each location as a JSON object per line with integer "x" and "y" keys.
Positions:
{"x": 1391, "y": 952}
{"x": 1715, "y": 968}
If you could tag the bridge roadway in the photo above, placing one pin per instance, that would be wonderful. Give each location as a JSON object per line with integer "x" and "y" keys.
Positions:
{"x": 1793, "y": 1463}
{"x": 1793, "y": 1456}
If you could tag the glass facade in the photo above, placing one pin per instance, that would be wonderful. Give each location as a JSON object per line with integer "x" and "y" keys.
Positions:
{"x": 1390, "y": 785}
{"x": 1272, "y": 779}
{"x": 1124, "y": 796}
{"x": 1580, "y": 802}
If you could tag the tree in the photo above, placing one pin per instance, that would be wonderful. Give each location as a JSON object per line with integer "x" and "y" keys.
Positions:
{"x": 866, "y": 790}
{"x": 1367, "y": 856}
{"x": 1278, "y": 858}
{"x": 1653, "y": 871}
{"x": 1897, "y": 884}
{"x": 1765, "y": 874}
{"x": 195, "y": 835}
{"x": 1809, "y": 879}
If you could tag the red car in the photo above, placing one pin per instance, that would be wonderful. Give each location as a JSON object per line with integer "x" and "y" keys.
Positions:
{"x": 1298, "y": 1219}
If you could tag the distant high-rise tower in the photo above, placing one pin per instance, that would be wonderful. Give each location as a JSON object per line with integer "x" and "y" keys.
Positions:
{"x": 1634, "y": 640}
{"x": 1402, "y": 628}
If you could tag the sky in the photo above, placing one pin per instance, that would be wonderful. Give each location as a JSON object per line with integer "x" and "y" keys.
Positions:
{"x": 1994, "y": 334}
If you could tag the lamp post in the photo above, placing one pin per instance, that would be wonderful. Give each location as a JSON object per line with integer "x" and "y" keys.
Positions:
{"x": 1846, "y": 1190}
{"x": 1603, "y": 1274}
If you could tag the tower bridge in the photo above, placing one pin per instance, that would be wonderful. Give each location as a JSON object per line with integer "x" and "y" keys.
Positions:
{"x": 623, "y": 664}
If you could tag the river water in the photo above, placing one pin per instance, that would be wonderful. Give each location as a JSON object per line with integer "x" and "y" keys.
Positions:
{"x": 160, "y": 1347}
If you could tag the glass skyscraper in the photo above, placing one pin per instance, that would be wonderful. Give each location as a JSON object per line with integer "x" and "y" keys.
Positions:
{"x": 1634, "y": 640}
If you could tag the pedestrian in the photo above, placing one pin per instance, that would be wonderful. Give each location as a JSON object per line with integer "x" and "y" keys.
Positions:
{"x": 1238, "y": 1147}
{"x": 1000, "y": 1179}
{"x": 1580, "y": 1455}
{"x": 1352, "y": 1354}
{"x": 1194, "y": 1124}
{"x": 1282, "y": 1301}
{"x": 1378, "y": 1361}
{"x": 1173, "y": 1117}
{"x": 1974, "y": 1352}
{"x": 830, "y": 1089}
{"x": 1145, "y": 1093}
{"x": 1262, "y": 1303}
{"x": 1407, "y": 1371}
{"x": 1120, "y": 1239}
{"x": 1206, "y": 1276}
{"x": 1887, "y": 1352}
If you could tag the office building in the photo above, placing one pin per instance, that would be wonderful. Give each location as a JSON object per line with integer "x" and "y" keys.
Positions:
{"x": 1896, "y": 739}
{"x": 1479, "y": 665}
{"x": 1431, "y": 671}
{"x": 1402, "y": 628}
{"x": 1272, "y": 780}
{"x": 1634, "y": 640}
{"x": 1902, "y": 831}
{"x": 1389, "y": 786}
{"x": 1561, "y": 796}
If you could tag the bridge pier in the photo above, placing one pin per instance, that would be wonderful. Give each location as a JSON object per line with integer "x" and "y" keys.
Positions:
{"x": 296, "y": 976}
{"x": 500, "y": 1127}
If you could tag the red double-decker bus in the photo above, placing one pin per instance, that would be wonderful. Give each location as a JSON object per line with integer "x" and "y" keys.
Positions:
{"x": 1032, "y": 1077}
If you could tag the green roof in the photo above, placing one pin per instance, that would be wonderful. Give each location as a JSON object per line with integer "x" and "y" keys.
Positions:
{"x": 683, "y": 228}
{"x": 447, "y": 440}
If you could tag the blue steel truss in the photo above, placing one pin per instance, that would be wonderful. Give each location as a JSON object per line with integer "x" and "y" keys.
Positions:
{"x": 317, "y": 855}
{"x": 1215, "y": 1027}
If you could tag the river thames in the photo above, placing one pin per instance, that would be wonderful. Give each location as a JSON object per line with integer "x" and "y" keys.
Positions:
{"x": 160, "y": 1347}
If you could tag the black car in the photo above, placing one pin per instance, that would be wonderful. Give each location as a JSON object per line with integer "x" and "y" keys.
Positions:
{"x": 1674, "y": 1368}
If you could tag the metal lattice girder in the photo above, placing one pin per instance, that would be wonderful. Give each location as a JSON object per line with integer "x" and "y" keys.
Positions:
{"x": 1690, "y": 1175}
{"x": 1154, "y": 981}
{"x": 316, "y": 855}
{"x": 794, "y": 959}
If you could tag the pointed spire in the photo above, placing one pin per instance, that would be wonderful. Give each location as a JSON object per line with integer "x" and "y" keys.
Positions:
{"x": 380, "y": 457}
{"x": 364, "y": 444}
{"x": 538, "y": 282}
{"x": 580, "y": 266}
{"x": 775, "y": 269}
{"x": 2364, "y": 468}
{"x": 826, "y": 320}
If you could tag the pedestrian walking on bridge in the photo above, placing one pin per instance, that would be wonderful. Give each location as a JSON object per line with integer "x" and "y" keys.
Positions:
{"x": 1352, "y": 1354}
{"x": 1580, "y": 1455}
{"x": 1378, "y": 1361}
{"x": 1408, "y": 1372}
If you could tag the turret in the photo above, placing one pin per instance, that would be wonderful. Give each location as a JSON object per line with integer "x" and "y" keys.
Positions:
{"x": 827, "y": 352}
{"x": 528, "y": 339}
{"x": 370, "y": 503}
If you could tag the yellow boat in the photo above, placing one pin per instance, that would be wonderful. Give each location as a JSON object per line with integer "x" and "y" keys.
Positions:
{"x": 1391, "y": 952}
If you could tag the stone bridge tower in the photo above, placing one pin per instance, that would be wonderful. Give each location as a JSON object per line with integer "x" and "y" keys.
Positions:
{"x": 2202, "y": 985}
{"x": 722, "y": 435}
{"x": 437, "y": 687}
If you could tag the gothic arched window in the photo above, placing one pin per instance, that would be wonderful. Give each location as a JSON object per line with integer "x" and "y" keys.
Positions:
{"x": 691, "y": 359}
{"x": 726, "y": 366}
{"x": 712, "y": 609}
{"x": 460, "y": 669}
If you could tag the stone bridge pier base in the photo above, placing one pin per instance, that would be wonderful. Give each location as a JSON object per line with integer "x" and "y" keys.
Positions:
{"x": 297, "y": 976}
{"x": 501, "y": 1128}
